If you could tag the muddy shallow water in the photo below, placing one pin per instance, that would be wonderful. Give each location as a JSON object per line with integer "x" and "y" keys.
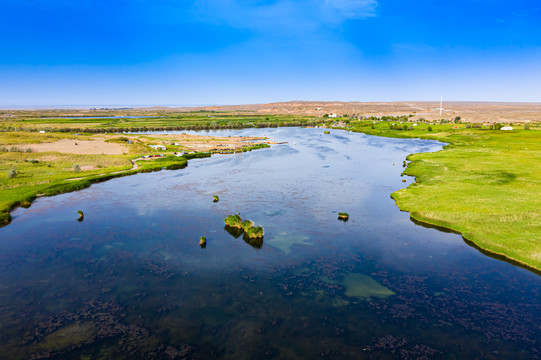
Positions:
{"x": 131, "y": 280}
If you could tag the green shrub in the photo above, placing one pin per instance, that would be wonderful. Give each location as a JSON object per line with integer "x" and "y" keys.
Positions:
{"x": 526, "y": 126}
{"x": 12, "y": 173}
{"x": 430, "y": 128}
{"x": 76, "y": 168}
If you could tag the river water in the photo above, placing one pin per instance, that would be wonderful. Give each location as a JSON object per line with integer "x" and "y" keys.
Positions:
{"x": 131, "y": 280}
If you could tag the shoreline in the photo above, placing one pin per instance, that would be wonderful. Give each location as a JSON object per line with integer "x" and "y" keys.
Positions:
{"x": 438, "y": 223}
{"x": 470, "y": 239}
{"x": 418, "y": 220}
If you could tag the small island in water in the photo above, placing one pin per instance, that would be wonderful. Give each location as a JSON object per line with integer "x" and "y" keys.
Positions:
{"x": 247, "y": 226}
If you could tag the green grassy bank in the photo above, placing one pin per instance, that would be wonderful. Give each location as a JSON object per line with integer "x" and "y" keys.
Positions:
{"x": 164, "y": 121}
{"x": 486, "y": 184}
{"x": 47, "y": 178}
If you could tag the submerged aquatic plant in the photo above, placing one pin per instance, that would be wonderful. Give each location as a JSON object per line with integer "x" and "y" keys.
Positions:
{"x": 202, "y": 240}
{"x": 81, "y": 215}
{"x": 216, "y": 198}
{"x": 343, "y": 216}
{"x": 233, "y": 221}
{"x": 326, "y": 132}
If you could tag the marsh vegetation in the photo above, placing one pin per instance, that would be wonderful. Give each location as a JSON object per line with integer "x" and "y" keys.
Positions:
{"x": 343, "y": 216}
{"x": 235, "y": 226}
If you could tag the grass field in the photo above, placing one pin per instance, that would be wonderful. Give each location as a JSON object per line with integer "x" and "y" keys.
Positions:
{"x": 485, "y": 184}
{"x": 162, "y": 121}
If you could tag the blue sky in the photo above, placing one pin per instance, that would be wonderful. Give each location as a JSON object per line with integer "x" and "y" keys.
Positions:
{"x": 152, "y": 52}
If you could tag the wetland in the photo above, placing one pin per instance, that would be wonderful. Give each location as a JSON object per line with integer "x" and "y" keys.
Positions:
{"x": 131, "y": 280}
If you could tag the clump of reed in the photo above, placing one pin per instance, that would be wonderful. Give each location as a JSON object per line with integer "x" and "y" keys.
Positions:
{"x": 246, "y": 226}
{"x": 233, "y": 221}
{"x": 343, "y": 216}
{"x": 254, "y": 232}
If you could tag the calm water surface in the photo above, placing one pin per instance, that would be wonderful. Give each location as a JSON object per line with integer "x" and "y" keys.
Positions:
{"x": 131, "y": 281}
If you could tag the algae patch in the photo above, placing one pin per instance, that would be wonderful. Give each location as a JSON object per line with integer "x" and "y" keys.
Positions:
{"x": 69, "y": 335}
{"x": 284, "y": 241}
{"x": 361, "y": 286}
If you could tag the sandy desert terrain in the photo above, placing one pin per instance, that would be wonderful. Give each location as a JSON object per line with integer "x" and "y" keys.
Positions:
{"x": 469, "y": 111}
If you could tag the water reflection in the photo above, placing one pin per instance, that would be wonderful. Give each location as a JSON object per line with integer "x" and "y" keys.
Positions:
{"x": 236, "y": 232}
{"x": 256, "y": 243}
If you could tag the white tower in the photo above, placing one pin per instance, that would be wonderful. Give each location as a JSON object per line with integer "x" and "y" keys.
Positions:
{"x": 441, "y": 105}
